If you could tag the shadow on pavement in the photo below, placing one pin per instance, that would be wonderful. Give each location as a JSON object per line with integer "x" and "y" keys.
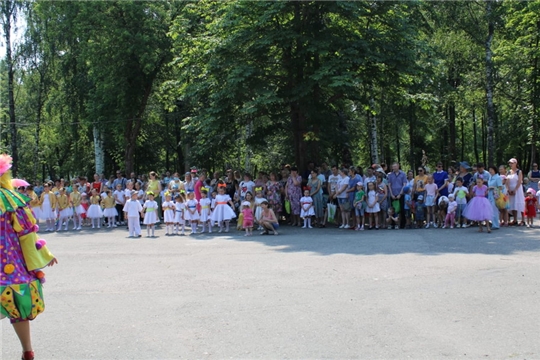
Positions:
{"x": 331, "y": 241}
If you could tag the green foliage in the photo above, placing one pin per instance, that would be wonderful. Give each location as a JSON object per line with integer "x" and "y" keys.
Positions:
{"x": 254, "y": 84}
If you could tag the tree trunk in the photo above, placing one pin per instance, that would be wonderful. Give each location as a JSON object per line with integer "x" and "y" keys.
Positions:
{"x": 298, "y": 126}
{"x": 133, "y": 129}
{"x": 452, "y": 131}
{"x": 484, "y": 137}
{"x": 249, "y": 152}
{"x": 398, "y": 144}
{"x": 535, "y": 98}
{"x": 489, "y": 85}
{"x": 462, "y": 157}
{"x": 373, "y": 132}
{"x": 38, "y": 130}
{"x": 475, "y": 137}
{"x": 412, "y": 129}
{"x": 99, "y": 154}
{"x": 8, "y": 10}
{"x": 179, "y": 158}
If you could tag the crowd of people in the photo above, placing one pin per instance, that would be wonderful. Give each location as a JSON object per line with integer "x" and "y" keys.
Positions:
{"x": 346, "y": 197}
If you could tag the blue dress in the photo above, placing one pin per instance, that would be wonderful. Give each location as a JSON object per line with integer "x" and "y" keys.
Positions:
{"x": 352, "y": 185}
{"x": 496, "y": 182}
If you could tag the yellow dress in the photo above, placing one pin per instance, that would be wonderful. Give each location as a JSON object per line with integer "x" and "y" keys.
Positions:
{"x": 76, "y": 199}
{"x": 109, "y": 209}
{"x": 47, "y": 204}
{"x": 63, "y": 206}
{"x": 35, "y": 204}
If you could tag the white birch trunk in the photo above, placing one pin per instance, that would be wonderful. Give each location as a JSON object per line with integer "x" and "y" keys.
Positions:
{"x": 98, "y": 151}
{"x": 373, "y": 133}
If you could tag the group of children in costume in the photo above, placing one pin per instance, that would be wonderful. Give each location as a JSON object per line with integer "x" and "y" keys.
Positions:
{"x": 183, "y": 210}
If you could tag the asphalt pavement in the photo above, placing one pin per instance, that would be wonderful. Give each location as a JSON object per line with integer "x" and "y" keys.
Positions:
{"x": 306, "y": 293}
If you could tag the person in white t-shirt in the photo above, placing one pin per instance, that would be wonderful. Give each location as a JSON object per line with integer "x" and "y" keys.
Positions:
{"x": 246, "y": 186}
{"x": 120, "y": 200}
{"x": 132, "y": 211}
{"x": 343, "y": 198}
{"x": 332, "y": 185}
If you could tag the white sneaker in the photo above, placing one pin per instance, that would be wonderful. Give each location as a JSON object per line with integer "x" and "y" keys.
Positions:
{"x": 389, "y": 228}
{"x": 396, "y": 227}
{"x": 311, "y": 227}
{"x": 427, "y": 226}
{"x": 303, "y": 227}
{"x": 78, "y": 228}
{"x": 342, "y": 226}
{"x": 451, "y": 227}
{"x": 362, "y": 228}
{"x": 346, "y": 227}
{"x": 458, "y": 226}
{"x": 443, "y": 227}
{"x": 434, "y": 225}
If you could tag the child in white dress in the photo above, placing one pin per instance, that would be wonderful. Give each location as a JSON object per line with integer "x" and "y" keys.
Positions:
{"x": 109, "y": 209}
{"x": 191, "y": 212}
{"x": 205, "y": 204}
{"x": 168, "y": 208}
{"x": 65, "y": 212}
{"x": 150, "y": 213}
{"x": 94, "y": 212}
{"x": 307, "y": 211}
{"x": 223, "y": 213}
{"x": 48, "y": 207}
{"x": 372, "y": 205}
{"x": 179, "y": 208}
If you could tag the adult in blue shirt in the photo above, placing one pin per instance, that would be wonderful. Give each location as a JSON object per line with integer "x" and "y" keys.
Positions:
{"x": 120, "y": 180}
{"x": 480, "y": 173}
{"x": 495, "y": 187}
{"x": 440, "y": 177}
{"x": 354, "y": 178}
{"x": 396, "y": 182}
{"x": 534, "y": 177}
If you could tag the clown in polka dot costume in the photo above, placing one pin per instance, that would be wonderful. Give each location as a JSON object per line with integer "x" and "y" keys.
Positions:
{"x": 23, "y": 257}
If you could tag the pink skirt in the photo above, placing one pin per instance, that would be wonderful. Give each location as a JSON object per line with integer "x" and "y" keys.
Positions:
{"x": 478, "y": 209}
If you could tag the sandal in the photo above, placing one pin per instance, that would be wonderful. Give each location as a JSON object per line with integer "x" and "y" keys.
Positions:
{"x": 28, "y": 355}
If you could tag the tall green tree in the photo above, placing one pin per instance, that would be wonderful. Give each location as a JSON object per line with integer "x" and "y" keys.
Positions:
{"x": 8, "y": 18}
{"x": 288, "y": 66}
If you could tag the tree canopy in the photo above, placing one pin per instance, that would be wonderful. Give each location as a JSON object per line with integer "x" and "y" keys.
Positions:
{"x": 146, "y": 85}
